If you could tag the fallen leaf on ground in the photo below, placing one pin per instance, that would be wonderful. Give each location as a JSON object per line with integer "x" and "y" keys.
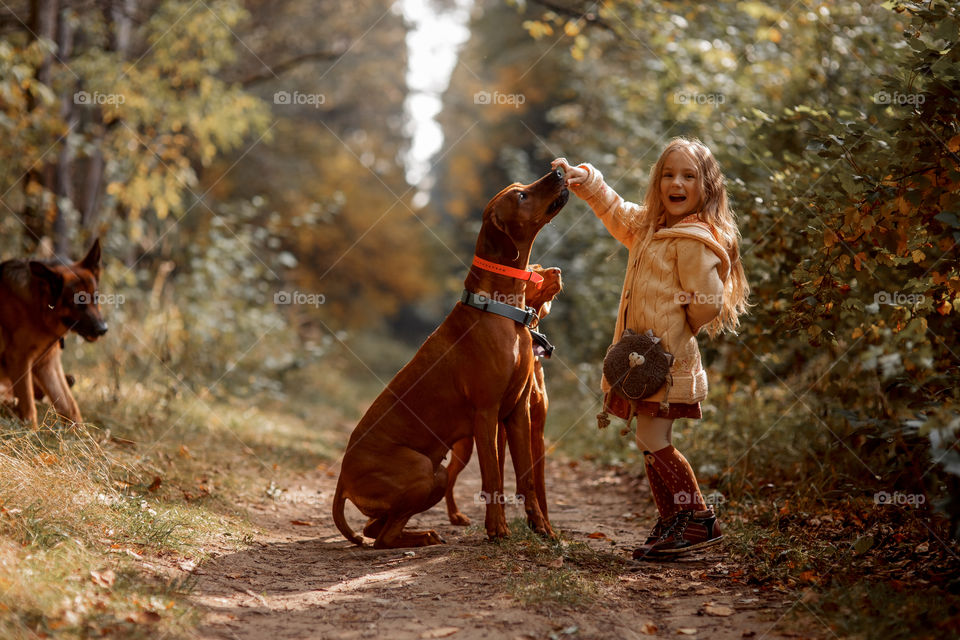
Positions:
{"x": 717, "y": 609}
{"x": 649, "y": 628}
{"x": 142, "y": 617}
{"x": 597, "y": 535}
{"x": 103, "y": 578}
{"x": 808, "y": 576}
{"x": 441, "y": 632}
{"x": 302, "y": 523}
{"x": 687, "y": 631}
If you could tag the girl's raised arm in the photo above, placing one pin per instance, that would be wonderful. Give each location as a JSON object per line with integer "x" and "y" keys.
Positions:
{"x": 587, "y": 182}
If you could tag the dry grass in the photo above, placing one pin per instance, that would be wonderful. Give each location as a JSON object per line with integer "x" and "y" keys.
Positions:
{"x": 100, "y": 526}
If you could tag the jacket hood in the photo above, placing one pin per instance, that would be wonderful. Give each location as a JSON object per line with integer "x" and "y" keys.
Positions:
{"x": 699, "y": 231}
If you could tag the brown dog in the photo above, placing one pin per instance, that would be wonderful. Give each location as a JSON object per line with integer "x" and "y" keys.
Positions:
{"x": 474, "y": 371}
{"x": 39, "y": 304}
{"x": 540, "y": 299}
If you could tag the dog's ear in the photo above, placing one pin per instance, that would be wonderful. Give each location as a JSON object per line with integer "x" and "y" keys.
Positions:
{"x": 49, "y": 279}
{"x": 91, "y": 261}
{"x": 498, "y": 241}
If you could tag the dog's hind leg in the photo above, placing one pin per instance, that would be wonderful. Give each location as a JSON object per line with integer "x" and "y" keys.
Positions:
{"x": 460, "y": 456}
{"x": 417, "y": 498}
{"x": 394, "y": 536}
{"x": 518, "y": 437}
{"x": 538, "y": 421}
{"x": 374, "y": 526}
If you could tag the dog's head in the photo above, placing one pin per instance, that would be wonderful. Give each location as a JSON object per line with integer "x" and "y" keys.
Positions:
{"x": 512, "y": 219}
{"x": 71, "y": 293}
{"x": 541, "y": 298}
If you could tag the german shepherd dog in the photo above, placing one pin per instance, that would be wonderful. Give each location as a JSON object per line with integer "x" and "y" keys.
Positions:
{"x": 40, "y": 303}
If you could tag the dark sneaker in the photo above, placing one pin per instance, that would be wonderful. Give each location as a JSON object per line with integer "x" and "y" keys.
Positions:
{"x": 652, "y": 537}
{"x": 686, "y": 532}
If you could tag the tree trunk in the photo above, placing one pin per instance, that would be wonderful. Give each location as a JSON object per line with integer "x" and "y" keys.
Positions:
{"x": 63, "y": 190}
{"x": 117, "y": 14}
{"x": 36, "y": 212}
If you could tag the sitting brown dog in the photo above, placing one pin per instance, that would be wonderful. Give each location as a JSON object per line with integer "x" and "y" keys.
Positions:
{"x": 540, "y": 300}
{"x": 474, "y": 371}
{"x": 39, "y": 304}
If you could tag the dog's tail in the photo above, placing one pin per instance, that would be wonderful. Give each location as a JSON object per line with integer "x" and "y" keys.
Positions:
{"x": 338, "y": 501}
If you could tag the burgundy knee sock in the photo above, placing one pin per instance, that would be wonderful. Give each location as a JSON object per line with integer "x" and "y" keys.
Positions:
{"x": 673, "y": 482}
{"x": 661, "y": 493}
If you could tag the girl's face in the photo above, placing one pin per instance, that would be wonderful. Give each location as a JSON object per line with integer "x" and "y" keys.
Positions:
{"x": 680, "y": 185}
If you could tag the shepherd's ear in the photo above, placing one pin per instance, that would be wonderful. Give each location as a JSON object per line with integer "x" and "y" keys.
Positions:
{"x": 91, "y": 261}
{"x": 49, "y": 279}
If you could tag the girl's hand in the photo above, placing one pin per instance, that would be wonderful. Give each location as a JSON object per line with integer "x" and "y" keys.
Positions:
{"x": 573, "y": 175}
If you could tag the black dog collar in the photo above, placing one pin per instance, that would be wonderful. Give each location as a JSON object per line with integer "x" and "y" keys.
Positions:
{"x": 524, "y": 317}
{"x": 541, "y": 346}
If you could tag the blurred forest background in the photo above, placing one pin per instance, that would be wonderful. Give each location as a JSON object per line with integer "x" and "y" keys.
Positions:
{"x": 231, "y": 152}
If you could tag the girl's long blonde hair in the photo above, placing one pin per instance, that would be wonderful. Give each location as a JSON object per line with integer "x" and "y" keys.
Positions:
{"x": 715, "y": 212}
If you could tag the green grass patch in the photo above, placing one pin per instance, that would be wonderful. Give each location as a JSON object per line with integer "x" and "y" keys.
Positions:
{"x": 551, "y": 573}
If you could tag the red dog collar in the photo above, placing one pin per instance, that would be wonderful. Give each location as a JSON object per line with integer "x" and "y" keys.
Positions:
{"x": 503, "y": 270}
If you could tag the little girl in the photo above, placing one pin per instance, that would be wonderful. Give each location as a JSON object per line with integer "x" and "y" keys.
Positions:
{"x": 683, "y": 274}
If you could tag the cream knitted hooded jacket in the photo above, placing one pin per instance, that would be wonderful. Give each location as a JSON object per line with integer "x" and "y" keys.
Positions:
{"x": 683, "y": 258}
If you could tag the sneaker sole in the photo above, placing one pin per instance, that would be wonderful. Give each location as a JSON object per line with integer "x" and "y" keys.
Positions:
{"x": 685, "y": 550}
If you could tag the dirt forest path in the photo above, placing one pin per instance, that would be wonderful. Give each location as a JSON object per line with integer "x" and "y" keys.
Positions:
{"x": 305, "y": 581}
